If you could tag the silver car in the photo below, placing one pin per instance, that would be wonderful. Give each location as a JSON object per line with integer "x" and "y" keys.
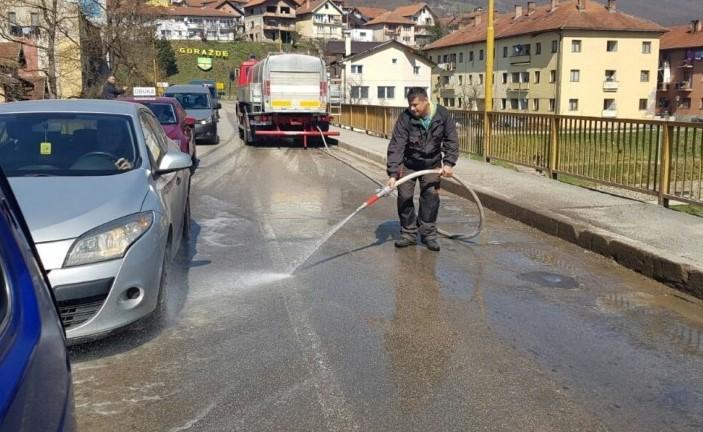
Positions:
{"x": 105, "y": 195}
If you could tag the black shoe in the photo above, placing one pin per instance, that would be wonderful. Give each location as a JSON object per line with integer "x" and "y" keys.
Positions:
{"x": 432, "y": 245}
{"x": 404, "y": 242}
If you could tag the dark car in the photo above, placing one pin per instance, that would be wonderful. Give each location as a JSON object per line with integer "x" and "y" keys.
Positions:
{"x": 173, "y": 119}
{"x": 35, "y": 375}
{"x": 198, "y": 103}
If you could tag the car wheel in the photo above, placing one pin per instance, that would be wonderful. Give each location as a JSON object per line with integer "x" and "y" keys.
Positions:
{"x": 186, "y": 221}
{"x": 161, "y": 311}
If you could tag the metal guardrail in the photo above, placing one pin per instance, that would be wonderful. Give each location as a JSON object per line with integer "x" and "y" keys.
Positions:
{"x": 659, "y": 158}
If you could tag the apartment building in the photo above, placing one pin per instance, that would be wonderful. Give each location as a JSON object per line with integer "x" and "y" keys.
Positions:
{"x": 319, "y": 19}
{"x": 681, "y": 72}
{"x": 198, "y": 23}
{"x": 270, "y": 20}
{"x": 571, "y": 57}
{"x": 390, "y": 26}
{"x": 382, "y": 75}
{"x": 23, "y": 23}
{"x": 422, "y": 17}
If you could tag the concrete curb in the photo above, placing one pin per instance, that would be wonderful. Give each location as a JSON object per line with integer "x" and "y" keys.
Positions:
{"x": 655, "y": 264}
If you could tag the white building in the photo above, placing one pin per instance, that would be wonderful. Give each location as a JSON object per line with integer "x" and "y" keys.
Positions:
{"x": 193, "y": 23}
{"x": 383, "y": 74}
{"x": 361, "y": 34}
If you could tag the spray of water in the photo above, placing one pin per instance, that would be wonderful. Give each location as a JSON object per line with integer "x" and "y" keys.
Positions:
{"x": 303, "y": 259}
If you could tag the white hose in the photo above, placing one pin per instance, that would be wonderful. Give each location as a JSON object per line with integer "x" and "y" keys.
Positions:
{"x": 386, "y": 191}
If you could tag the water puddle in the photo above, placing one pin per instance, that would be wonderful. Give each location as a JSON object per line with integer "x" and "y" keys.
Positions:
{"x": 549, "y": 280}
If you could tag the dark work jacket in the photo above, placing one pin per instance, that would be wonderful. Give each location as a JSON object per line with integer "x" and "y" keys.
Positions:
{"x": 110, "y": 91}
{"x": 416, "y": 148}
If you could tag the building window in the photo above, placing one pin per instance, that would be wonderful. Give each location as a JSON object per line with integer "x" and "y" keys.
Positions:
{"x": 357, "y": 69}
{"x": 471, "y": 56}
{"x": 552, "y": 76}
{"x": 538, "y": 48}
{"x": 471, "y": 79}
{"x": 513, "y": 104}
{"x": 535, "y": 104}
{"x": 386, "y": 92}
{"x": 445, "y": 58}
{"x": 612, "y": 46}
{"x": 363, "y": 34}
{"x": 524, "y": 77}
{"x": 524, "y": 105}
{"x": 575, "y": 75}
{"x": 480, "y": 79}
{"x": 701, "y": 104}
{"x": 480, "y": 55}
{"x": 576, "y": 46}
{"x": 537, "y": 76}
{"x": 573, "y": 104}
{"x": 461, "y": 57}
{"x": 646, "y": 47}
{"x": 503, "y": 104}
{"x": 34, "y": 19}
{"x": 609, "y": 105}
{"x": 505, "y": 52}
{"x": 643, "y": 104}
{"x": 644, "y": 76}
{"x": 394, "y": 61}
{"x": 610, "y": 75}
{"x": 461, "y": 80}
{"x": 685, "y": 103}
{"x": 555, "y": 46}
{"x": 452, "y": 58}
{"x": 552, "y": 105}
{"x": 416, "y": 70}
{"x": 360, "y": 92}
{"x": 505, "y": 78}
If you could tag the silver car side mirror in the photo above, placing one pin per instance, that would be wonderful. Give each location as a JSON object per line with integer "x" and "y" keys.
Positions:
{"x": 174, "y": 160}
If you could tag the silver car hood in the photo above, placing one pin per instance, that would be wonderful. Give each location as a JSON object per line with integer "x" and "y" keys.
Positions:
{"x": 59, "y": 208}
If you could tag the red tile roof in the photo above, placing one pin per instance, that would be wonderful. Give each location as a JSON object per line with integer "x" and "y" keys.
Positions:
{"x": 371, "y": 12}
{"x": 307, "y": 7}
{"x": 565, "y": 17}
{"x": 409, "y": 10}
{"x": 681, "y": 37}
{"x": 390, "y": 18}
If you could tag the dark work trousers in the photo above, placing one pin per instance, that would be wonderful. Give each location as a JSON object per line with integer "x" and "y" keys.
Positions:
{"x": 426, "y": 220}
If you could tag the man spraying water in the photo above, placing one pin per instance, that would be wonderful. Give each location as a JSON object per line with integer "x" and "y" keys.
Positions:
{"x": 424, "y": 138}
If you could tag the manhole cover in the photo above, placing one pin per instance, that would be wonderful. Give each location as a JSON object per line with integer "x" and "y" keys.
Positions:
{"x": 549, "y": 280}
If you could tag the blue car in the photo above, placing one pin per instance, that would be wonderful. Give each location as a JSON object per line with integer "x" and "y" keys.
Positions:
{"x": 35, "y": 374}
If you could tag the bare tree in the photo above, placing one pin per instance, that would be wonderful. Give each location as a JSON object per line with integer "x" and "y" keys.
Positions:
{"x": 52, "y": 26}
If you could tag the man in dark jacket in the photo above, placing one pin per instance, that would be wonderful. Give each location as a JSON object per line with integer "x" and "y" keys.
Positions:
{"x": 424, "y": 137}
{"x": 110, "y": 90}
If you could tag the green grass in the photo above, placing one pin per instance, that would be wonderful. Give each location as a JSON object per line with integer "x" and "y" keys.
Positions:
{"x": 695, "y": 210}
{"x": 238, "y": 52}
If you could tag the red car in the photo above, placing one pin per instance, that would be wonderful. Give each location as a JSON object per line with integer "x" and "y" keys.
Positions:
{"x": 177, "y": 125}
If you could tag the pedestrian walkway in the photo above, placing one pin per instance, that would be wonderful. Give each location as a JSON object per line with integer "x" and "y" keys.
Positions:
{"x": 660, "y": 243}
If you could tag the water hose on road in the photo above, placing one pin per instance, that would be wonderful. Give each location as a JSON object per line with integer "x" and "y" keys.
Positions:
{"x": 387, "y": 191}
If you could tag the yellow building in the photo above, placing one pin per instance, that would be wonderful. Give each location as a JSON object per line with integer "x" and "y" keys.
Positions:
{"x": 576, "y": 57}
{"x": 319, "y": 19}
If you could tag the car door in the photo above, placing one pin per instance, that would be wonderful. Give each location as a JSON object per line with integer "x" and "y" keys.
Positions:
{"x": 187, "y": 130}
{"x": 173, "y": 187}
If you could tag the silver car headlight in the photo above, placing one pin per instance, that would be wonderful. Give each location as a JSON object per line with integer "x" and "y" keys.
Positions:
{"x": 204, "y": 121}
{"x": 109, "y": 241}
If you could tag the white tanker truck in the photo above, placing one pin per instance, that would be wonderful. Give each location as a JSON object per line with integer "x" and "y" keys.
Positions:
{"x": 283, "y": 95}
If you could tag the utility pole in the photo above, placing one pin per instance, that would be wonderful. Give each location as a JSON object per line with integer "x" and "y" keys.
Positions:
{"x": 488, "y": 91}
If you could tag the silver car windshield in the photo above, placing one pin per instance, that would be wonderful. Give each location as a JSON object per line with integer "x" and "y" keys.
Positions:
{"x": 191, "y": 100}
{"x": 65, "y": 144}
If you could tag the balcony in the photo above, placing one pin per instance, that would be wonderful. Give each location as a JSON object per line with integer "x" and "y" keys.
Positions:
{"x": 331, "y": 22}
{"x": 664, "y": 87}
{"x": 518, "y": 86}
{"x": 447, "y": 92}
{"x": 279, "y": 15}
{"x": 521, "y": 59}
{"x": 610, "y": 113}
{"x": 684, "y": 86}
{"x": 610, "y": 85}
{"x": 278, "y": 26}
{"x": 392, "y": 32}
{"x": 686, "y": 64}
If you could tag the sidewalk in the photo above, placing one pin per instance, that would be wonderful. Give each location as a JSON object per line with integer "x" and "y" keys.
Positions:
{"x": 652, "y": 240}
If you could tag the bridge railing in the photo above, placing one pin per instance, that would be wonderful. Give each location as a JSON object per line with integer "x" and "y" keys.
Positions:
{"x": 659, "y": 158}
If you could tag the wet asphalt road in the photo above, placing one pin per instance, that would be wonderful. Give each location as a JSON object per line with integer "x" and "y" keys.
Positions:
{"x": 515, "y": 331}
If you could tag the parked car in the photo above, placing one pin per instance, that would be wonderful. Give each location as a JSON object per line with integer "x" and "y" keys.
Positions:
{"x": 212, "y": 87}
{"x": 173, "y": 118}
{"x": 36, "y": 392}
{"x": 198, "y": 103}
{"x": 106, "y": 196}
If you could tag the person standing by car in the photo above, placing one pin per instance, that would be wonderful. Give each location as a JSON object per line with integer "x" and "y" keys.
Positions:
{"x": 110, "y": 90}
{"x": 424, "y": 137}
